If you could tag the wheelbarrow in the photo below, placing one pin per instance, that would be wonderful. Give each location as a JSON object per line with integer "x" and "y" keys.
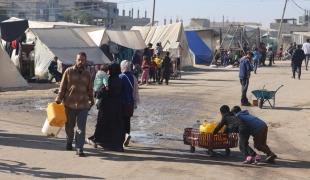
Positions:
{"x": 263, "y": 95}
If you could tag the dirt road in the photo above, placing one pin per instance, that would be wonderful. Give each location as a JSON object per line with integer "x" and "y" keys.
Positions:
{"x": 158, "y": 151}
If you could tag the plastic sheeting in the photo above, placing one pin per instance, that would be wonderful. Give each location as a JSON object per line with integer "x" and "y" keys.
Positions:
{"x": 128, "y": 39}
{"x": 60, "y": 24}
{"x": 13, "y": 28}
{"x": 201, "y": 52}
{"x": 171, "y": 36}
{"x": 65, "y": 44}
{"x": 9, "y": 75}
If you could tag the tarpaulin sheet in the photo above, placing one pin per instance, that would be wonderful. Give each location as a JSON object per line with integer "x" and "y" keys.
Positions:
{"x": 202, "y": 53}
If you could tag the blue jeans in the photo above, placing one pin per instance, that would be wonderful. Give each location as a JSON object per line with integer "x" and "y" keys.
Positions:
{"x": 244, "y": 88}
{"x": 76, "y": 117}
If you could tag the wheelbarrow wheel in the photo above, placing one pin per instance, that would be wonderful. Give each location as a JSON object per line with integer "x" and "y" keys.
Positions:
{"x": 260, "y": 103}
{"x": 192, "y": 149}
{"x": 227, "y": 152}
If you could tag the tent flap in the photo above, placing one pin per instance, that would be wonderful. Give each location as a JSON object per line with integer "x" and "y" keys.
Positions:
{"x": 9, "y": 75}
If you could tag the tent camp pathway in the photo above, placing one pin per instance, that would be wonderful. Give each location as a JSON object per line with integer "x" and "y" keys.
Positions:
{"x": 158, "y": 151}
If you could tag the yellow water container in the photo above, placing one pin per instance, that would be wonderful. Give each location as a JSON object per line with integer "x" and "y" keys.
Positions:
{"x": 207, "y": 127}
{"x": 56, "y": 114}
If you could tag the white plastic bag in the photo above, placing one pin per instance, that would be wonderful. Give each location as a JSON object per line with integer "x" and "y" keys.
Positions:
{"x": 49, "y": 130}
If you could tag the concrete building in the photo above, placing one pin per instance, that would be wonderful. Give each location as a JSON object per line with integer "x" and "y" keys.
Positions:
{"x": 197, "y": 23}
{"x": 101, "y": 13}
{"x": 290, "y": 25}
{"x": 126, "y": 22}
{"x": 42, "y": 10}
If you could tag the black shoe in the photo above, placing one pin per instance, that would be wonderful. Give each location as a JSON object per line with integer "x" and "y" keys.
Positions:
{"x": 271, "y": 158}
{"x": 80, "y": 153}
{"x": 69, "y": 147}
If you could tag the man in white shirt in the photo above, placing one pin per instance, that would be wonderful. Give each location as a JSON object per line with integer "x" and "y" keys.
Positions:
{"x": 306, "y": 48}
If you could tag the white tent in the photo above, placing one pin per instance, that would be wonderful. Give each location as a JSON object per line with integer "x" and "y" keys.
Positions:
{"x": 9, "y": 75}
{"x": 129, "y": 39}
{"x": 60, "y": 24}
{"x": 64, "y": 43}
{"x": 171, "y": 36}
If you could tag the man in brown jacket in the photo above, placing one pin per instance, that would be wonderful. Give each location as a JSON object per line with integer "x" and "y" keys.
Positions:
{"x": 76, "y": 92}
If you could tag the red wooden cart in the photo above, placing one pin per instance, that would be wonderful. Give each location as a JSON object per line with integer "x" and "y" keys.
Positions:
{"x": 209, "y": 141}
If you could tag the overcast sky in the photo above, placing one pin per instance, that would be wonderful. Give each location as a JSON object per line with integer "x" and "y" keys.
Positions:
{"x": 262, "y": 11}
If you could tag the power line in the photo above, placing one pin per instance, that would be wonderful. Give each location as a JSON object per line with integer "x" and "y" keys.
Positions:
{"x": 297, "y": 5}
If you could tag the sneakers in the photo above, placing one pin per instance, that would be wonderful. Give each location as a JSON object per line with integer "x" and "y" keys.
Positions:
{"x": 80, "y": 153}
{"x": 257, "y": 159}
{"x": 126, "y": 143}
{"x": 271, "y": 158}
{"x": 92, "y": 142}
{"x": 69, "y": 147}
{"x": 248, "y": 160}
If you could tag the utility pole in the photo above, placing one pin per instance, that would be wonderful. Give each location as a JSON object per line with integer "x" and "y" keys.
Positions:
{"x": 153, "y": 17}
{"x": 280, "y": 28}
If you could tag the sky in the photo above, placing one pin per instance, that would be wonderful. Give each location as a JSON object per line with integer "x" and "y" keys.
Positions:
{"x": 262, "y": 11}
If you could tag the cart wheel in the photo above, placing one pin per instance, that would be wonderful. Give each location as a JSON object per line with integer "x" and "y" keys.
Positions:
{"x": 211, "y": 152}
{"x": 260, "y": 103}
{"x": 192, "y": 150}
{"x": 227, "y": 152}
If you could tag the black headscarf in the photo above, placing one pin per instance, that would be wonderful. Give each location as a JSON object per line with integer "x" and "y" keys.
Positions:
{"x": 114, "y": 69}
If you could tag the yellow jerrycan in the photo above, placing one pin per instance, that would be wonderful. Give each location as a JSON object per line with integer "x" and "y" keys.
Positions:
{"x": 56, "y": 114}
{"x": 210, "y": 127}
{"x": 207, "y": 127}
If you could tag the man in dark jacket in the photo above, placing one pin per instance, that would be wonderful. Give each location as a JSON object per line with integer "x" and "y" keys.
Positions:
{"x": 297, "y": 58}
{"x": 258, "y": 129}
{"x": 235, "y": 125}
{"x": 244, "y": 75}
{"x": 53, "y": 70}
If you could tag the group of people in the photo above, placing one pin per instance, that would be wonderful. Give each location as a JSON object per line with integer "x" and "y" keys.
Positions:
{"x": 298, "y": 54}
{"x": 116, "y": 92}
{"x": 252, "y": 59}
{"x": 153, "y": 65}
{"x": 242, "y": 122}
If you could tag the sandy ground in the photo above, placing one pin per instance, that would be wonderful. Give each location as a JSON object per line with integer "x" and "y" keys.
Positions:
{"x": 157, "y": 151}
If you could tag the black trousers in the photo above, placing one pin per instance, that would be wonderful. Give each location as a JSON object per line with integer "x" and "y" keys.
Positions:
{"x": 263, "y": 59}
{"x": 244, "y": 88}
{"x": 126, "y": 124}
{"x": 296, "y": 68}
{"x": 244, "y": 147}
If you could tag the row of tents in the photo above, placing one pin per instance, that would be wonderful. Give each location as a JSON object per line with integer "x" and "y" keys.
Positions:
{"x": 66, "y": 40}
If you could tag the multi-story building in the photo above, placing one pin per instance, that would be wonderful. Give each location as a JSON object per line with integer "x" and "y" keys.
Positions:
{"x": 30, "y": 9}
{"x": 97, "y": 12}
{"x": 290, "y": 25}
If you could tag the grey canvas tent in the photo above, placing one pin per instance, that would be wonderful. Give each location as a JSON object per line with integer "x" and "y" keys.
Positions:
{"x": 9, "y": 75}
{"x": 64, "y": 43}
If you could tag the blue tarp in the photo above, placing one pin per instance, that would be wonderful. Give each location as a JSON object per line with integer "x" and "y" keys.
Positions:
{"x": 202, "y": 53}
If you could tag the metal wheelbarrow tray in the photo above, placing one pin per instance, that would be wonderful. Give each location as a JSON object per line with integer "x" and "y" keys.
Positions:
{"x": 264, "y": 95}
